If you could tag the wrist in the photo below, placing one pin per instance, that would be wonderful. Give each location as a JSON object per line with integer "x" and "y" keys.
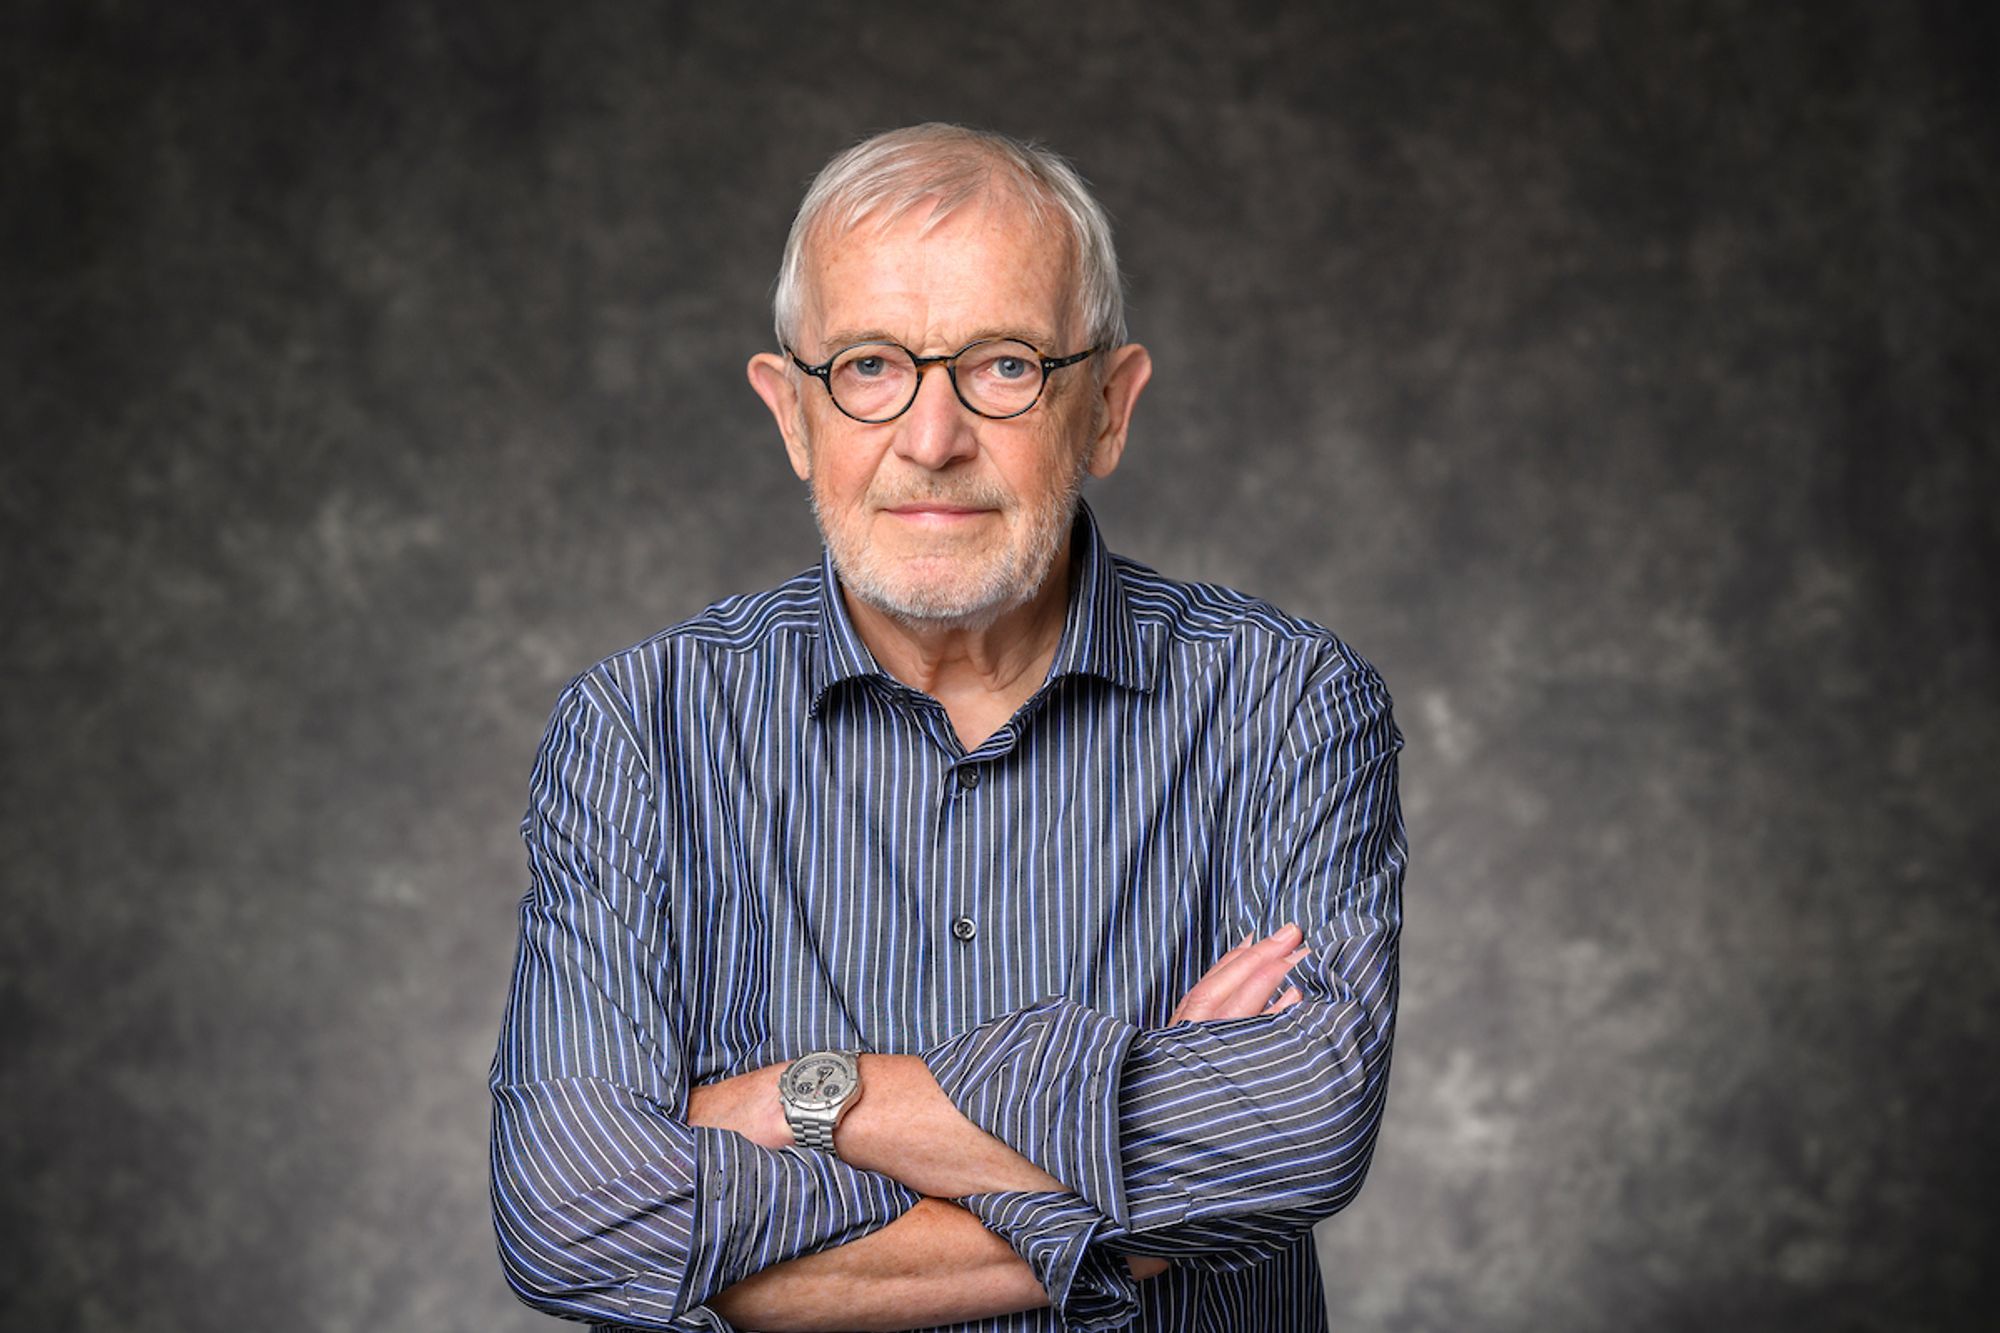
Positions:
{"x": 866, "y": 1138}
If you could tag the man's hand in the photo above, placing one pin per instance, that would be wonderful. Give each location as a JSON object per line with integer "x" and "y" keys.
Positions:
{"x": 1243, "y": 982}
{"x": 747, "y": 1103}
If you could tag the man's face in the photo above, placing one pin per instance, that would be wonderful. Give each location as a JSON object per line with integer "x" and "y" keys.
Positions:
{"x": 942, "y": 516}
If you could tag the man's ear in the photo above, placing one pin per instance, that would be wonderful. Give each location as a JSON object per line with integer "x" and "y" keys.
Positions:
{"x": 1129, "y": 367}
{"x": 771, "y": 377}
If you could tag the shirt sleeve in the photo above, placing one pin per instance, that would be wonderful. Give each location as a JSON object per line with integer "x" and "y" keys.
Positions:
{"x": 1219, "y": 1142}
{"x": 608, "y": 1205}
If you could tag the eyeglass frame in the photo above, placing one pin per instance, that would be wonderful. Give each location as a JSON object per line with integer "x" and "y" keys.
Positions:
{"x": 823, "y": 372}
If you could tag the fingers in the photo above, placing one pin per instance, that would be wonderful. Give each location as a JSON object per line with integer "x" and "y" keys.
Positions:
{"x": 1258, "y": 988}
{"x": 1217, "y": 985}
{"x": 1242, "y": 987}
{"x": 1242, "y": 982}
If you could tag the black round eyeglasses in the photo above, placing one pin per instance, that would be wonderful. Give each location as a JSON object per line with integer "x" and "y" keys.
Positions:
{"x": 996, "y": 378}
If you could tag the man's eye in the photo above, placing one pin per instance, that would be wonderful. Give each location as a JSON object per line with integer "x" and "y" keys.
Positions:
{"x": 1010, "y": 367}
{"x": 869, "y": 366}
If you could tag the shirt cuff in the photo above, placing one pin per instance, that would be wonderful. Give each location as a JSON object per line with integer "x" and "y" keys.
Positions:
{"x": 761, "y": 1207}
{"x": 1090, "y": 1288}
{"x": 1044, "y": 1081}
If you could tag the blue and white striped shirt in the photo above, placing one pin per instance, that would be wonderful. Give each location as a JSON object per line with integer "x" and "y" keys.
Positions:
{"x": 746, "y": 842}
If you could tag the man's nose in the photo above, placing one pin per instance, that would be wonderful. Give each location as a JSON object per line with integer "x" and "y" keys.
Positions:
{"x": 938, "y": 430}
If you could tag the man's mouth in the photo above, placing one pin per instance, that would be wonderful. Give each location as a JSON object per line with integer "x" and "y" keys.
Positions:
{"x": 937, "y": 509}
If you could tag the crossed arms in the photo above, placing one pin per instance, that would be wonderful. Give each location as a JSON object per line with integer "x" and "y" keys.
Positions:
{"x": 1070, "y": 1140}
{"x": 937, "y": 1263}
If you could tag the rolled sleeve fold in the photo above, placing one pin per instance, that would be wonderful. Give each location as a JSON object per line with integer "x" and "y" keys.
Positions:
{"x": 1089, "y": 1287}
{"x": 1044, "y": 1080}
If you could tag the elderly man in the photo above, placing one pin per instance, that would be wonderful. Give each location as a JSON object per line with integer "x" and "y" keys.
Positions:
{"x": 979, "y": 928}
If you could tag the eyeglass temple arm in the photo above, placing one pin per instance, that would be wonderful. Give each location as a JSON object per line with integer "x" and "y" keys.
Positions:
{"x": 820, "y": 371}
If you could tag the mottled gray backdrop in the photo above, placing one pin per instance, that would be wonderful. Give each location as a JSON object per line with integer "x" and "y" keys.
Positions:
{"x": 1619, "y": 377}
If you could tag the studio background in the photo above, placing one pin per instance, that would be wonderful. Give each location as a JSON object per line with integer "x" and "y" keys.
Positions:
{"x": 1618, "y": 378}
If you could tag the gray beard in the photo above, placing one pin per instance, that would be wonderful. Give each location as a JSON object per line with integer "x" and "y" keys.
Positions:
{"x": 1012, "y": 583}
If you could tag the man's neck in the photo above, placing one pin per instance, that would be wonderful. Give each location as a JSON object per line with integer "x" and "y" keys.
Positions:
{"x": 981, "y": 674}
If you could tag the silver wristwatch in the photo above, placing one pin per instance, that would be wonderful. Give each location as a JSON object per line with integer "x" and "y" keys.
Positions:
{"x": 816, "y": 1090}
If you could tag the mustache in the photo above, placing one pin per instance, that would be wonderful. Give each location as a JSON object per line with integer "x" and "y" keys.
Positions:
{"x": 970, "y": 494}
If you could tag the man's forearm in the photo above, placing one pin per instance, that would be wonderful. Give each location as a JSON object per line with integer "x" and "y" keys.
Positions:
{"x": 903, "y": 1127}
{"x": 933, "y": 1265}
{"x": 938, "y": 1263}
{"x": 906, "y": 1128}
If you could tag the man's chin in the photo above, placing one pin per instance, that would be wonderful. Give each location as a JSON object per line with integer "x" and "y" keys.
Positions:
{"x": 934, "y": 607}
{"x": 934, "y": 585}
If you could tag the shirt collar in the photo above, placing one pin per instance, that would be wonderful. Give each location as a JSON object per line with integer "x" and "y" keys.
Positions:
{"x": 1099, "y": 638}
{"x": 840, "y": 655}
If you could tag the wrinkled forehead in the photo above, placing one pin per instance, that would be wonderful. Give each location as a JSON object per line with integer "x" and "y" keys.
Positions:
{"x": 928, "y": 208}
{"x": 1037, "y": 230}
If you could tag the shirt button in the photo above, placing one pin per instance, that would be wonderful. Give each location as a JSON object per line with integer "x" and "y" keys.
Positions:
{"x": 968, "y": 776}
{"x": 964, "y": 928}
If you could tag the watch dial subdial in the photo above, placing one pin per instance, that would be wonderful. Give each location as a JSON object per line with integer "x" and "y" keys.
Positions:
{"x": 820, "y": 1082}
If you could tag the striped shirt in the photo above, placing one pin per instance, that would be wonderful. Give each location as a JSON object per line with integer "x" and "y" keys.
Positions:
{"x": 746, "y": 841}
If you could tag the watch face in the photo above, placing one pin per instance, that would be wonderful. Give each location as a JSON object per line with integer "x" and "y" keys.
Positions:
{"x": 819, "y": 1082}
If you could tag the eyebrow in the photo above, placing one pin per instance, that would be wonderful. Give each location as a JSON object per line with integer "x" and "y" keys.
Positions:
{"x": 840, "y": 338}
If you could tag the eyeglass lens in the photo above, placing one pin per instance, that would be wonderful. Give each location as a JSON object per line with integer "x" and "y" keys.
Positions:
{"x": 875, "y": 381}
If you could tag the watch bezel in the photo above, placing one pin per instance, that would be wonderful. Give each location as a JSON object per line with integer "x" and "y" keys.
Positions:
{"x": 802, "y": 1100}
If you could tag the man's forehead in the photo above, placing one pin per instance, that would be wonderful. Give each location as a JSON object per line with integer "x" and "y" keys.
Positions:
{"x": 990, "y": 259}
{"x": 1038, "y": 230}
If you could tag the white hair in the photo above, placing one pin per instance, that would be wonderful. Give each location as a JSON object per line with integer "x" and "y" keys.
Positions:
{"x": 945, "y": 167}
